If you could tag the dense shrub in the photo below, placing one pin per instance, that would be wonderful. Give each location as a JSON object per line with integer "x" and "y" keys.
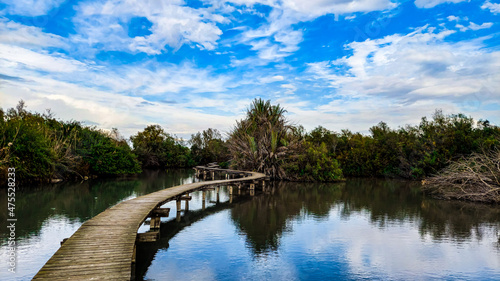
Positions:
{"x": 157, "y": 149}
{"x": 41, "y": 148}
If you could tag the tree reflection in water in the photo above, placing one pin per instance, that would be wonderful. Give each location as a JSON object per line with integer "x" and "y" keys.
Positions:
{"x": 264, "y": 219}
{"x": 372, "y": 228}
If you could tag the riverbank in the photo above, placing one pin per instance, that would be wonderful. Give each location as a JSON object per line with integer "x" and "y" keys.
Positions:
{"x": 284, "y": 224}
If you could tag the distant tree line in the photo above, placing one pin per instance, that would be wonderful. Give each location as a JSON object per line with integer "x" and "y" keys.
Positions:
{"x": 42, "y": 148}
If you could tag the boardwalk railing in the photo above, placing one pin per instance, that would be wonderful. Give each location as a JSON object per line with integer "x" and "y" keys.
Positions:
{"x": 103, "y": 248}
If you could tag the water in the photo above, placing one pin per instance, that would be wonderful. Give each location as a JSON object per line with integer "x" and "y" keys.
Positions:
{"x": 48, "y": 214}
{"x": 361, "y": 229}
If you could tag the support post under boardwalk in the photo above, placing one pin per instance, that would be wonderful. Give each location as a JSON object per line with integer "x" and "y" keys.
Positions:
{"x": 155, "y": 223}
{"x": 178, "y": 205}
{"x": 86, "y": 256}
{"x": 203, "y": 196}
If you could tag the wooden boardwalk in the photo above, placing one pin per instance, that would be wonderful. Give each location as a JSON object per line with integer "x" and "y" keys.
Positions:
{"x": 103, "y": 248}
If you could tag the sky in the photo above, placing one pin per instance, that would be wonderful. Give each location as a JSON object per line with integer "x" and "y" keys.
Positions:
{"x": 193, "y": 65}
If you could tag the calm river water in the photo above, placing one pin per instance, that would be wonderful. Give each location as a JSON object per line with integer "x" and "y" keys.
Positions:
{"x": 363, "y": 229}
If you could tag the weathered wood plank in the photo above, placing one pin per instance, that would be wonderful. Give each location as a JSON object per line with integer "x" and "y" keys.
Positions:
{"x": 103, "y": 247}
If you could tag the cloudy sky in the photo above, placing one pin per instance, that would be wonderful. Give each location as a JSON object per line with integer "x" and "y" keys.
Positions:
{"x": 191, "y": 65}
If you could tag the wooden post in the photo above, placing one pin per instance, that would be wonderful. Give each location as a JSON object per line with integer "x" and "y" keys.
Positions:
{"x": 230, "y": 190}
{"x": 178, "y": 202}
{"x": 263, "y": 185}
{"x": 252, "y": 192}
{"x": 186, "y": 208}
{"x": 155, "y": 223}
{"x": 252, "y": 186}
{"x": 203, "y": 199}
{"x": 213, "y": 175}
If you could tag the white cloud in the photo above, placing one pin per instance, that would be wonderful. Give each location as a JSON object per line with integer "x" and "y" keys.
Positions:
{"x": 17, "y": 57}
{"x": 115, "y": 110}
{"x": 271, "y": 79}
{"x": 173, "y": 24}
{"x": 278, "y": 39}
{"x": 493, "y": 7}
{"x": 30, "y": 7}
{"x": 321, "y": 7}
{"x": 289, "y": 89}
{"x": 129, "y": 97}
{"x": 473, "y": 26}
{"x": 432, "y": 3}
{"x": 453, "y": 18}
{"x": 316, "y": 8}
{"x": 410, "y": 76}
{"x": 13, "y": 33}
{"x": 151, "y": 78}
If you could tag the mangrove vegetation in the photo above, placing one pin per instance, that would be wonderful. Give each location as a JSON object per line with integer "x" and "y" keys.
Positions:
{"x": 451, "y": 152}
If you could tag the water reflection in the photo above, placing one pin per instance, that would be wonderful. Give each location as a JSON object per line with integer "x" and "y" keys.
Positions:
{"x": 360, "y": 229}
{"x": 48, "y": 214}
{"x": 264, "y": 219}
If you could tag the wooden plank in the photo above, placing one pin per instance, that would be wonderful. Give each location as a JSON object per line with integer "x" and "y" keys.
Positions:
{"x": 160, "y": 212}
{"x": 148, "y": 236}
{"x": 103, "y": 248}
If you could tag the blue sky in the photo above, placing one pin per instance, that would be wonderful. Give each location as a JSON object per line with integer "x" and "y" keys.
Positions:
{"x": 191, "y": 65}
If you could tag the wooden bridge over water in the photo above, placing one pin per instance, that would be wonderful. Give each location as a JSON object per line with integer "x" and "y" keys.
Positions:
{"x": 103, "y": 248}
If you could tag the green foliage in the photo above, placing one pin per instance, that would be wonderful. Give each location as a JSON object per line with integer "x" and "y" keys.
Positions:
{"x": 413, "y": 152}
{"x": 264, "y": 141}
{"x": 208, "y": 146}
{"x": 157, "y": 149}
{"x": 40, "y": 147}
{"x": 315, "y": 164}
{"x": 105, "y": 155}
{"x": 24, "y": 144}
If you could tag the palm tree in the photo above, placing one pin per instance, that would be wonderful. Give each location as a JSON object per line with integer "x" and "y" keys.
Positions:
{"x": 264, "y": 140}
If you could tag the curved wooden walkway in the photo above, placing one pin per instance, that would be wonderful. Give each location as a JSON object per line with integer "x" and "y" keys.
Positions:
{"x": 103, "y": 248}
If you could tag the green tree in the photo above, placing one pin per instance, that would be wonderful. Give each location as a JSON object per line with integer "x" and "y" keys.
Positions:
{"x": 40, "y": 148}
{"x": 264, "y": 140}
{"x": 157, "y": 149}
{"x": 208, "y": 146}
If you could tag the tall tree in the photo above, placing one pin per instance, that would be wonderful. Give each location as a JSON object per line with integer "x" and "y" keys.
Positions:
{"x": 264, "y": 140}
{"x": 157, "y": 149}
{"x": 208, "y": 146}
